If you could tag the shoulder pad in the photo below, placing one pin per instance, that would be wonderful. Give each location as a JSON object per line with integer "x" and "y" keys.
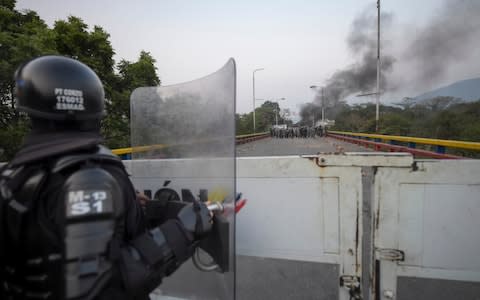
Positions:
{"x": 103, "y": 154}
{"x": 92, "y": 191}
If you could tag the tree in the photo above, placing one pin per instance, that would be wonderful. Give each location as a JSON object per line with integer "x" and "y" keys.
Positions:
{"x": 140, "y": 73}
{"x": 446, "y": 125}
{"x": 395, "y": 124}
{"x": 131, "y": 75}
{"x": 8, "y": 4}
{"x": 73, "y": 39}
{"x": 244, "y": 123}
{"x": 264, "y": 118}
{"x": 23, "y": 36}
{"x": 440, "y": 102}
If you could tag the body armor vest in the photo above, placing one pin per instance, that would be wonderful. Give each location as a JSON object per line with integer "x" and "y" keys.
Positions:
{"x": 61, "y": 222}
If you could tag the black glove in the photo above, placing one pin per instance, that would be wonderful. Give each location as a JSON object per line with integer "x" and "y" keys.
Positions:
{"x": 196, "y": 219}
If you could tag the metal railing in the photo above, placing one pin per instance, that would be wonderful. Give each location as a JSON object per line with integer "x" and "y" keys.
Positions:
{"x": 126, "y": 153}
{"x": 246, "y": 138}
{"x": 405, "y": 143}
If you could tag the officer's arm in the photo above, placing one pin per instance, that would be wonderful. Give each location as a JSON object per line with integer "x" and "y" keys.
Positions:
{"x": 155, "y": 254}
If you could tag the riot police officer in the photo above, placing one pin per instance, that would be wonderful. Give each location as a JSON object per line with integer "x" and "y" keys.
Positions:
{"x": 70, "y": 225}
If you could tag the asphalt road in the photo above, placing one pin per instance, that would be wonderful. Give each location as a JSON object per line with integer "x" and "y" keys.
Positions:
{"x": 296, "y": 146}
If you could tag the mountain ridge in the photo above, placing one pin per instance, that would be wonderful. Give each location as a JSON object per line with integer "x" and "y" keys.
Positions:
{"x": 468, "y": 90}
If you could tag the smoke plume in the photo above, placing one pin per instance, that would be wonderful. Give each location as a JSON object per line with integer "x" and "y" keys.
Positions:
{"x": 449, "y": 39}
{"x": 424, "y": 57}
{"x": 361, "y": 76}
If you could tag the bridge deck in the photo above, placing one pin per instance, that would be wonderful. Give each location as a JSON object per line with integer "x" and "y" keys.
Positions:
{"x": 296, "y": 146}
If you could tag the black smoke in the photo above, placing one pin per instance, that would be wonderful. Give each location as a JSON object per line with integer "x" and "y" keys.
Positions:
{"x": 361, "y": 76}
{"x": 424, "y": 56}
{"x": 448, "y": 39}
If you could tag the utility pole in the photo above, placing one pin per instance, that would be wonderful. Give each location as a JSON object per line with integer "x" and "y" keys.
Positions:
{"x": 254, "y": 101}
{"x": 323, "y": 105}
{"x": 377, "y": 92}
{"x": 254, "y": 97}
{"x": 377, "y": 114}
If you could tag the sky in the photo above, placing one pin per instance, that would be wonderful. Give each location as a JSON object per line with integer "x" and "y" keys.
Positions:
{"x": 299, "y": 43}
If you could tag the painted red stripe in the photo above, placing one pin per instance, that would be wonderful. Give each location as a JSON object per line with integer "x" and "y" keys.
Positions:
{"x": 394, "y": 148}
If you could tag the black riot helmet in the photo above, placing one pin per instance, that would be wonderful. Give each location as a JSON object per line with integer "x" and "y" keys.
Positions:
{"x": 59, "y": 89}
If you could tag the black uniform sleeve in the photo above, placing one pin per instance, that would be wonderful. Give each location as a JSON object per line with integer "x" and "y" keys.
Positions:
{"x": 2, "y": 243}
{"x": 135, "y": 224}
{"x": 134, "y": 219}
{"x": 153, "y": 255}
{"x": 146, "y": 256}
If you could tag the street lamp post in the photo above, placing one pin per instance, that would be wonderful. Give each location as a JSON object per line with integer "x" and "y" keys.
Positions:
{"x": 256, "y": 70}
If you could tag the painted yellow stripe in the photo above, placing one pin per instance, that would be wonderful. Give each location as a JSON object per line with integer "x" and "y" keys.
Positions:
{"x": 250, "y": 135}
{"x": 437, "y": 142}
{"x": 121, "y": 151}
{"x": 129, "y": 150}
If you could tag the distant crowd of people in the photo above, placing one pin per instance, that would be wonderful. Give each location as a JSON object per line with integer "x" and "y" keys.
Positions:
{"x": 297, "y": 132}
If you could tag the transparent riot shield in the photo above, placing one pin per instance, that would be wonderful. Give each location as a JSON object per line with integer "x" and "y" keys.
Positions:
{"x": 183, "y": 141}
